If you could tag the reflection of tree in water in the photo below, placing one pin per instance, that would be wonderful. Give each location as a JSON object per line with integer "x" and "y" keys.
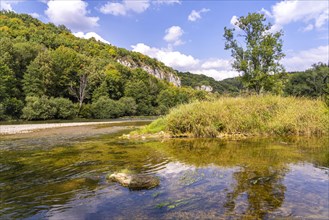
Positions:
{"x": 259, "y": 188}
{"x": 264, "y": 191}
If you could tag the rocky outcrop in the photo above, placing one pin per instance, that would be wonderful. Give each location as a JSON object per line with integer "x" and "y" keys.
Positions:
{"x": 135, "y": 181}
{"x": 158, "y": 73}
{"x": 204, "y": 88}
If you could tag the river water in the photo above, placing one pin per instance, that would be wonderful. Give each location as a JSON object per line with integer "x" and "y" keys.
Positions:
{"x": 199, "y": 178}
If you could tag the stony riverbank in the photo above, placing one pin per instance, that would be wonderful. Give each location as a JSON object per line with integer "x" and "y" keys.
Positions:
{"x": 27, "y": 128}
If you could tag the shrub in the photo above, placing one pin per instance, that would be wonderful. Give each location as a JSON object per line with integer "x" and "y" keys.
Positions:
{"x": 12, "y": 108}
{"x": 39, "y": 108}
{"x": 86, "y": 111}
{"x": 128, "y": 106}
{"x": 65, "y": 109}
{"x": 105, "y": 107}
{"x": 2, "y": 112}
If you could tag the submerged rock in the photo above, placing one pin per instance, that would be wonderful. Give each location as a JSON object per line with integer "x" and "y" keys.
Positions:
{"x": 135, "y": 181}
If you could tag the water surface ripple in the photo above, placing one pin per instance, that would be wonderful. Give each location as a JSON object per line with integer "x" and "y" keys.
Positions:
{"x": 199, "y": 179}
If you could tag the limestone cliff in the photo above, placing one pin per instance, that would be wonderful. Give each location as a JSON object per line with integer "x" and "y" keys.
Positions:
{"x": 157, "y": 72}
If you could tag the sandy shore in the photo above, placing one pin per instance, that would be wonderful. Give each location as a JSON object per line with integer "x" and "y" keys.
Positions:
{"x": 26, "y": 128}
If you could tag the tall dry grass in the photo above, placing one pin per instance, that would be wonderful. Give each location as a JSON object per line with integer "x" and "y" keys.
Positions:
{"x": 256, "y": 115}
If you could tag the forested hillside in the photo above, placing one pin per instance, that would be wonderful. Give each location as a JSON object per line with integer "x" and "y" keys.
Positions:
{"x": 311, "y": 83}
{"x": 48, "y": 73}
{"x": 231, "y": 86}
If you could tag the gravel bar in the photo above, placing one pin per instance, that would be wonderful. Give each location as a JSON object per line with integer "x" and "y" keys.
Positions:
{"x": 26, "y": 128}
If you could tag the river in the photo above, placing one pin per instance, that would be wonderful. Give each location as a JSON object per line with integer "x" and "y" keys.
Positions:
{"x": 61, "y": 174}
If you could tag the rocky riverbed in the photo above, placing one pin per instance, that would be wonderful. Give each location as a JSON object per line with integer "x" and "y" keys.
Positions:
{"x": 16, "y": 136}
{"x": 27, "y": 128}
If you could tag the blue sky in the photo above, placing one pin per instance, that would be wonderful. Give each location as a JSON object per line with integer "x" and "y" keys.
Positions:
{"x": 188, "y": 35}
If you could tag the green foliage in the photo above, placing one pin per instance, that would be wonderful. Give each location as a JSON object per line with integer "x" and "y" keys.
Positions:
{"x": 39, "y": 108}
{"x": 155, "y": 127}
{"x": 45, "y": 108}
{"x": 86, "y": 111}
{"x": 65, "y": 109}
{"x": 128, "y": 106}
{"x": 2, "y": 112}
{"x": 105, "y": 107}
{"x": 313, "y": 82}
{"x": 13, "y": 107}
{"x": 269, "y": 115}
{"x": 140, "y": 92}
{"x": 226, "y": 86}
{"x": 259, "y": 55}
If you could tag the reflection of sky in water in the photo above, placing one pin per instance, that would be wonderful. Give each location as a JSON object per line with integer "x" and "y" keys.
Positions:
{"x": 307, "y": 192}
{"x": 202, "y": 178}
{"x": 199, "y": 192}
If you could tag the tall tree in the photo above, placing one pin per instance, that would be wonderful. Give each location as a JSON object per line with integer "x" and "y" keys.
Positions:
{"x": 79, "y": 83}
{"x": 257, "y": 56}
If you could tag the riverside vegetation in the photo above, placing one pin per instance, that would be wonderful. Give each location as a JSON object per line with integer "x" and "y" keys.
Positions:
{"x": 253, "y": 115}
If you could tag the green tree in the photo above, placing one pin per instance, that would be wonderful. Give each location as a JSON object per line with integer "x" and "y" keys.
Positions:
{"x": 313, "y": 82}
{"x": 105, "y": 107}
{"x": 64, "y": 108}
{"x": 79, "y": 83}
{"x": 140, "y": 92}
{"x": 257, "y": 56}
{"x": 39, "y": 108}
{"x": 37, "y": 79}
{"x": 128, "y": 106}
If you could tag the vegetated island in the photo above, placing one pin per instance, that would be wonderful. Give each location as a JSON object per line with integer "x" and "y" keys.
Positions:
{"x": 242, "y": 117}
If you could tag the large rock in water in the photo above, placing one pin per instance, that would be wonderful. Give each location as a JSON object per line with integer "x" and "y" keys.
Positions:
{"x": 135, "y": 181}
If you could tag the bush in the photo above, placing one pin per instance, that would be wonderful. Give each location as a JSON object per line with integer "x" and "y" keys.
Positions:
{"x": 2, "y": 112}
{"x": 39, "y": 108}
{"x": 65, "y": 109}
{"x": 86, "y": 111}
{"x": 12, "y": 108}
{"x": 105, "y": 107}
{"x": 45, "y": 108}
{"x": 254, "y": 115}
{"x": 128, "y": 106}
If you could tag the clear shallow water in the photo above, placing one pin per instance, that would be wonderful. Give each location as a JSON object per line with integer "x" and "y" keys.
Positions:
{"x": 199, "y": 179}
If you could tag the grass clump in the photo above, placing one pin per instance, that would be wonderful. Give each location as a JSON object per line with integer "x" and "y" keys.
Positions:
{"x": 255, "y": 115}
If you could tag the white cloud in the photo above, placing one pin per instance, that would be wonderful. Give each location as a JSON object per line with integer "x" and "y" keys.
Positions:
{"x": 303, "y": 60}
{"x": 73, "y": 14}
{"x": 234, "y": 21}
{"x": 90, "y": 35}
{"x": 217, "y": 68}
{"x": 308, "y": 28}
{"x": 173, "y": 35}
{"x": 173, "y": 59}
{"x": 195, "y": 15}
{"x": 266, "y": 12}
{"x": 126, "y": 6}
{"x": 5, "y": 5}
{"x": 35, "y": 15}
{"x": 216, "y": 63}
{"x": 309, "y": 12}
{"x": 166, "y": 2}
{"x": 217, "y": 74}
